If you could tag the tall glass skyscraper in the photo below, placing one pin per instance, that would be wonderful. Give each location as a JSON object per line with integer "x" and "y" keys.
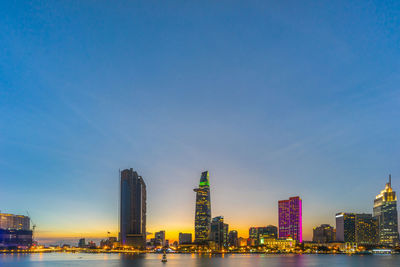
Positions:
{"x": 290, "y": 218}
{"x": 132, "y": 209}
{"x": 385, "y": 211}
{"x": 202, "y": 220}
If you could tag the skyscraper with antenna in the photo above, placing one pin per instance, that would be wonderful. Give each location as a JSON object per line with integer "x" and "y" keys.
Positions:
{"x": 385, "y": 211}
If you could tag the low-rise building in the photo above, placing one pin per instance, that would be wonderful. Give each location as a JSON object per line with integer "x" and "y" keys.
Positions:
{"x": 185, "y": 238}
{"x": 280, "y": 243}
{"x": 242, "y": 242}
{"x": 14, "y": 238}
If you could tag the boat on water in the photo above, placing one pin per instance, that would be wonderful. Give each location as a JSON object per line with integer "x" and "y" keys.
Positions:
{"x": 164, "y": 257}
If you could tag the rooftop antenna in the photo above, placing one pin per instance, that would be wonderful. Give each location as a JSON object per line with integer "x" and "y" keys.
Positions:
{"x": 390, "y": 179}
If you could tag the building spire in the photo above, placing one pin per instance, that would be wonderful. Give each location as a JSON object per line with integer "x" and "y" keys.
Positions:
{"x": 390, "y": 180}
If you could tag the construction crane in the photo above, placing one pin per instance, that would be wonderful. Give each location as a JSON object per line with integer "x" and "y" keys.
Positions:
{"x": 33, "y": 225}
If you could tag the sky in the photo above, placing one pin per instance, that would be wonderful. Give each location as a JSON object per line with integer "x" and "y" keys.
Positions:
{"x": 274, "y": 98}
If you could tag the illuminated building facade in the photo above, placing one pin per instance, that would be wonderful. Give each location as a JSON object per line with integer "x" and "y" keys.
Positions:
{"x": 285, "y": 243}
{"x": 219, "y": 233}
{"x": 109, "y": 242}
{"x": 385, "y": 211}
{"x": 15, "y": 222}
{"x": 202, "y": 220}
{"x": 269, "y": 232}
{"x": 356, "y": 228}
{"x": 290, "y": 218}
{"x": 132, "y": 209}
{"x": 323, "y": 234}
{"x": 366, "y": 229}
{"x": 242, "y": 242}
{"x": 346, "y": 227}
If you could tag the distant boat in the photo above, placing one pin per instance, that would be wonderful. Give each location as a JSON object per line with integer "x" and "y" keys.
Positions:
{"x": 164, "y": 257}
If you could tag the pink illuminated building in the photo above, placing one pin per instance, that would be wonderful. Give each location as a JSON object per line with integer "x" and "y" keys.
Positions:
{"x": 290, "y": 219}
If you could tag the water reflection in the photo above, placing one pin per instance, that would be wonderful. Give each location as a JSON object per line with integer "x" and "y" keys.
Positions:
{"x": 194, "y": 260}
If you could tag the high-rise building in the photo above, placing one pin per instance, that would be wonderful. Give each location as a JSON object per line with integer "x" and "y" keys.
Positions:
{"x": 160, "y": 238}
{"x": 233, "y": 238}
{"x": 219, "y": 232}
{"x": 385, "y": 211}
{"x": 290, "y": 218}
{"x": 366, "y": 229}
{"x": 185, "y": 238}
{"x": 14, "y": 222}
{"x": 346, "y": 227}
{"x": 323, "y": 234}
{"x": 132, "y": 209}
{"x": 356, "y": 228}
{"x": 202, "y": 220}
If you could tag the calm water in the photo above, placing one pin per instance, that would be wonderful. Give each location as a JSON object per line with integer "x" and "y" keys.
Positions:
{"x": 99, "y": 260}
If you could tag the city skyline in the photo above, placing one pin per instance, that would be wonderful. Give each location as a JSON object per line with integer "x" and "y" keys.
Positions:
{"x": 274, "y": 99}
{"x": 289, "y": 216}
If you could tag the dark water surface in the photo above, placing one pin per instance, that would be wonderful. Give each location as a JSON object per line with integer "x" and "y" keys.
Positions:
{"x": 192, "y": 260}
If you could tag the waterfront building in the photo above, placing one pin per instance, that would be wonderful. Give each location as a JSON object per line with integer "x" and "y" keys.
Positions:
{"x": 14, "y": 222}
{"x": 345, "y": 227}
{"x": 132, "y": 209}
{"x": 109, "y": 242}
{"x": 290, "y": 218}
{"x": 253, "y": 232}
{"x": 269, "y": 232}
{"x": 280, "y": 243}
{"x": 185, "y": 238}
{"x": 219, "y": 232}
{"x": 356, "y": 228}
{"x": 15, "y": 238}
{"x": 160, "y": 238}
{"x": 15, "y": 231}
{"x": 233, "y": 238}
{"x": 82, "y": 243}
{"x": 385, "y": 211}
{"x": 202, "y": 221}
{"x": 251, "y": 242}
{"x": 323, "y": 234}
{"x": 91, "y": 244}
{"x": 366, "y": 229}
{"x": 242, "y": 242}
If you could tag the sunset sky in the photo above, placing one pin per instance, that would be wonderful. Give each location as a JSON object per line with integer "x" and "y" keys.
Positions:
{"x": 273, "y": 98}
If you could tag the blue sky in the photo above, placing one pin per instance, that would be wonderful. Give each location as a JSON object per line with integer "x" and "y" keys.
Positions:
{"x": 275, "y": 99}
